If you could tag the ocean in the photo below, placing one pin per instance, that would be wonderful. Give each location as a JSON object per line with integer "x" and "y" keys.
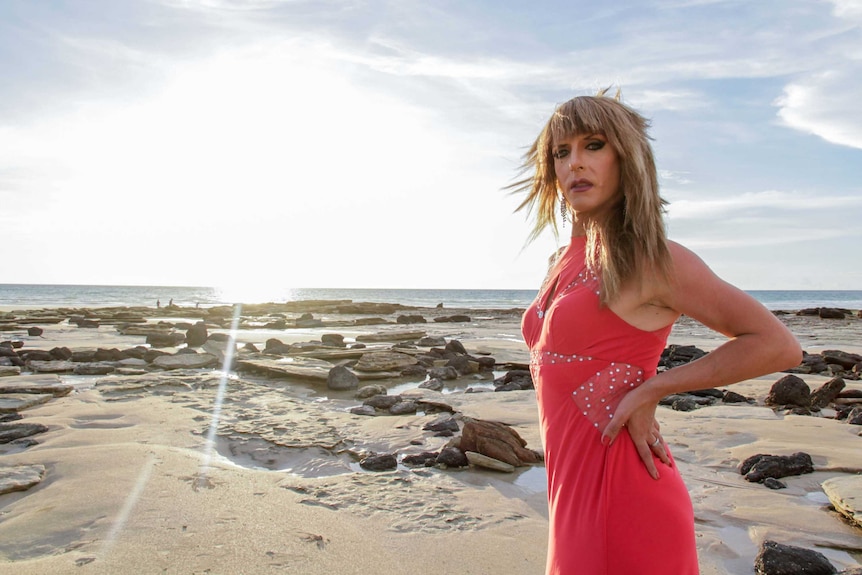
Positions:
{"x": 42, "y": 295}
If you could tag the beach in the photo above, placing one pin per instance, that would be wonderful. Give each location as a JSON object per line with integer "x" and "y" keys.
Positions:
{"x": 202, "y": 471}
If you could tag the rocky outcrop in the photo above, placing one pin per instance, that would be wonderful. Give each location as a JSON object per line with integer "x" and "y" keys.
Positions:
{"x": 845, "y": 494}
{"x": 789, "y": 390}
{"x": 498, "y": 441}
{"x": 761, "y": 466}
{"x": 778, "y": 559}
{"x": 20, "y": 477}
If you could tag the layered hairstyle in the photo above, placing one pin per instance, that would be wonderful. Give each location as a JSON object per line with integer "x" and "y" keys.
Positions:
{"x": 627, "y": 241}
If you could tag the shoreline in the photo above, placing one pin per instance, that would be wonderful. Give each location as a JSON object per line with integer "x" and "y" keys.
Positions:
{"x": 105, "y": 445}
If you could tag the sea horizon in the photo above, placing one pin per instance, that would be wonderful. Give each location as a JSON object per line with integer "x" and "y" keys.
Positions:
{"x": 92, "y": 296}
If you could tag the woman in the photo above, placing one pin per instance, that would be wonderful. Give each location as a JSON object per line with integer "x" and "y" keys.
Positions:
{"x": 596, "y": 331}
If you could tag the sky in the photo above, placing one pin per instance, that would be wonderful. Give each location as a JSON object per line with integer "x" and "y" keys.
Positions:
{"x": 368, "y": 144}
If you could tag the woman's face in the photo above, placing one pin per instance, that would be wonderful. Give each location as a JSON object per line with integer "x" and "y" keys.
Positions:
{"x": 588, "y": 173}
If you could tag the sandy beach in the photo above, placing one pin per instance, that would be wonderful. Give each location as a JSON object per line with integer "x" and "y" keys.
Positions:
{"x": 131, "y": 485}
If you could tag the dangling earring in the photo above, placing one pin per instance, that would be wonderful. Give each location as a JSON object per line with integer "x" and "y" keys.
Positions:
{"x": 564, "y": 210}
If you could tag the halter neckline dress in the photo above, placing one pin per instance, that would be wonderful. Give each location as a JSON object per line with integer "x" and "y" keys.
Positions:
{"x": 607, "y": 515}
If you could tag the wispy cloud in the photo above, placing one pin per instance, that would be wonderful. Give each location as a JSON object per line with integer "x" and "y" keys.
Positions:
{"x": 744, "y": 204}
{"x": 825, "y": 104}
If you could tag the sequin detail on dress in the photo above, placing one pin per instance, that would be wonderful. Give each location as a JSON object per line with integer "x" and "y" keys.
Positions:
{"x": 601, "y": 393}
{"x": 583, "y": 278}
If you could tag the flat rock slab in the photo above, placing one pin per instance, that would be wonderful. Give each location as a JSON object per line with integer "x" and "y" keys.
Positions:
{"x": 57, "y": 366}
{"x": 377, "y": 361}
{"x": 391, "y": 336}
{"x": 845, "y": 494}
{"x": 303, "y": 368}
{"x": 9, "y": 370}
{"x": 159, "y": 383}
{"x": 43, "y": 383}
{"x": 185, "y": 361}
{"x": 12, "y": 431}
{"x": 20, "y": 478}
{"x": 13, "y": 402}
{"x": 486, "y": 462}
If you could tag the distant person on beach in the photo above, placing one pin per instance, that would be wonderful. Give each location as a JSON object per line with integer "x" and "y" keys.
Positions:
{"x": 158, "y": 303}
{"x": 596, "y": 331}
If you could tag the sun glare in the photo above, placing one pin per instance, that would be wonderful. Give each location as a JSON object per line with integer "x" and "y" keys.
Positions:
{"x": 248, "y": 290}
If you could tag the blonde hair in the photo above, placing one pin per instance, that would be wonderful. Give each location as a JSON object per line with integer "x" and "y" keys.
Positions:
{"x": 627, "y": 241}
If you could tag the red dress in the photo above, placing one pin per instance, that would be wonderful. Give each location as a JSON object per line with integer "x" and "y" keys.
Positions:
{"x": 607, "y": 515}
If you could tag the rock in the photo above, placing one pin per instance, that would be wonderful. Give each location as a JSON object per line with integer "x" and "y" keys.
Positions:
{"x": 789, "y": 390}
{"x": 826, "y": 393}
{"x": 367, "y": 391}
{"x": 333, "y": 340}
{"x": 733, "y": 397}
{"x": 186, "y": 361}
{"x": 842, "y": 358}
{"x": 414, "y": 371}
{"x": 11, "y": 431}
{"x": 47, "y": 383}
{"x": 34, "y": 331}
{"x": 103, "y": 354}
{"x": 455, "y": 346}
{"x": 197, "y": 334}
{"x": 170, "y": 339}
{"x": 403, "y": 408}
{"x": 486, "y": 462}
{"x": 845, "y": 494}
{"x": 382, "y": 401}
{"x": 486, "y": 363}
{"x": 363, "y": 410}
{"x": 341, "y": 378}
{"x": 773, "y": 483}
{"x": 514, "y": 379}
{"x": 14, "y": 402}
{"x": 385, "y": 462}
{"x": 274, "y": 346}
{"x": 51, "y": 366}
{"x": 94, "y": 369}
{"x": 391, "y": 336}
{"x": 218, "y": 347}
{"x": 496, "y": 440}
{"x": 758, "y": 467}
{"x": 20, "y": 477}
{"x": 855, "y": 416}
{"x": 442, "y": 424}
{"x": 61, "y": 353}
{"x": 830, "y": 313}
{"x": 446, "y": 373}
{"x": 452, "y": 457}
{"x": 676, "y": 355}
{"x": 432, "y": 341}
{"x": 684, "y": 403}
{"x": 9, "y": 370}
{"x": 709, "y": 392}
{"x": 457, "y": 318}
{"x": 432, "y": 384}
{"x": 779, "y": 559}
{"x": 424, "y": 459}
{"x": 408, "y": 319}
{"x": 384, "y": 361}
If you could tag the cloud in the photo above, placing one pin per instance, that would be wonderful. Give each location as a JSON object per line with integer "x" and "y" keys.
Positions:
{"x": 757, "y": 202}
{"x": 825, "y": 104}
